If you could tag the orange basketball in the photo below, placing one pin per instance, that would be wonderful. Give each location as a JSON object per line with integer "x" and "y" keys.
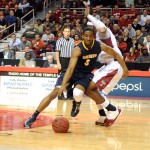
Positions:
{"x": 60, "y": 125}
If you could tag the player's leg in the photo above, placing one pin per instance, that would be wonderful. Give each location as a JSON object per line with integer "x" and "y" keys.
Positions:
{"x": 110, "y": 75}
{"x": 78, "y": 92}
{"x": 95, "y": 95}
{"x": 44, "y": 103}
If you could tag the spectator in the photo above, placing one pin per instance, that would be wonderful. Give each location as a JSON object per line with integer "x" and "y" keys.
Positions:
{"x": 131, "y": 31}
{"x": 37, "y": 45}
{"x": 116, "y": 31}
{"x": 147, "y": 25}
{"x": 24, "y": 5}
{"x": 127, "y": 39}
{"x": 52, "y": 42}
{"x": 76, "y": 39}
{"x": 132, "y": 12}
{"x": 135, "y": 25}
{"x": 145, "y": 16}
{"x": 8, "y": 53}
{"x": 134, "y": 42}
{"x": 47, "y": 34}
{"x": 144, "y": 56}
{"x": 31, "y": 32}
{"x": 131, "y": 56}
{"x": 117, "y": 13}
{"x": 122, "y": 45}
{"x": 3, "y": 24}
{"x": 14, "y": 43}
{"x": 94, "y": 14}
{"x": 46, "y": 48}
{"x": 13, "y": 3}
{"x": 50, "y": 62}
{"x": 129, "y": 3}
{"x": 139, "y": 3}
{"x": 11, "y": 19}
{"x": 124, "y": 21}
{"x": 24, "y": 43}
{"x": 140, "y": 21}
{"x": 6, "y": 10}
{"x": 27, "y": 61}
{"x": 39, "y": 26}
{"x": 139, "y": 37}
{"x": 144, "y": 33}
{"x": 28, "y": 49}
{"x": 146, "y": 42}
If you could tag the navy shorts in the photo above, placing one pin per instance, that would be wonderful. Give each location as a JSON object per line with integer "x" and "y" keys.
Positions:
{"x": 78, "y": 77}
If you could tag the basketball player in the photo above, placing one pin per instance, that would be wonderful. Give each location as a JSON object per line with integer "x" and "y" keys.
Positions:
{"x": 108, "y": 75}
{"x": 82, "y": 62}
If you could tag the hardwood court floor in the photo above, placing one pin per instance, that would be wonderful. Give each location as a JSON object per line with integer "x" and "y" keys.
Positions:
{"x": 131, "y": 131}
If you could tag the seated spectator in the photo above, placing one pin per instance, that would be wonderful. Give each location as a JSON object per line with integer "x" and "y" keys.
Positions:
{"x": 127, "y": 39}
{"x": 116, "y": 31}
{"x": 8, "y": 53}
{"x": 140, "y": 21}
{"x": 139, "y": 3}
{"x": 144, "y": 56}
{"x": 144, "y": 33}
{"x": 6, "y": 10}
{"x": 14, "y": 43}
{"x": 145, "y": 16}
{"x": 129, "y": 3}
{"x": 146, "y": 42}
{"x": 12, "y": 3}
{"x": 46, "y": 48}
{"x": 94, "y": 14}
{"x": 4, "y": 3}
{"x": 139, "y": 37}
{"x": 130, "y": 56}
{"x": 117, "y": 13}
{"x": 37, "y": 44}
{"x": 124, "y": 21}
{"x": 24, "y": 5}
{"x": 3, "y": 24}
{"x": 24, "y": 43}
{"x": 27, "y": 61}
{"x": 134, "y": 42}
{"x": 39, "y": 26}
{"x": 122, "y": 45}
{"x": 135, "y": 25}
{"x": 50, "y": 62}
{"x": 47, "y": 34}
{"x": 147, "y": 25}
{"x": 52, "y": 42}
{"x": 31, "y": 32}
{"x": 131, "y": 31}
{"x": 18, "y": 14}
{"x": 132, "y": 12}
{"x": 76, "y": 39}
{"x": 11, "y": 19}
{"x": 28, "y": 49}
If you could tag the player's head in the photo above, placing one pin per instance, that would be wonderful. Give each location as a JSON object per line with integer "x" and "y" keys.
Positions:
{"x": 88, "y": 36}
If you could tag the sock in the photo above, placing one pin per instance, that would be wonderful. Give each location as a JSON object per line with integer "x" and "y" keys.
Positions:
{"x": 110, "y": 107}
{"x": 101, "y": 110}
{"x": 36, "y": 113}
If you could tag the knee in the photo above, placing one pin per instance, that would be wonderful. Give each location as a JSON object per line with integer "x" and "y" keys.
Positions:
{"x": 78, "y": 94}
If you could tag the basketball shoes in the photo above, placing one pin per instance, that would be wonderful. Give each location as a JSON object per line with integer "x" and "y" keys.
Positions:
{"x": 29, "y": 122}
{"x": 75, "y": 108}
{"x": 100, "y": 121}
{"x": 112, "y": 117}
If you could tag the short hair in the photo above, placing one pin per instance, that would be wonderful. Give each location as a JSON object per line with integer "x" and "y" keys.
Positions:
{"x": 65, "y": 27}
{"x": 88, "y": 29}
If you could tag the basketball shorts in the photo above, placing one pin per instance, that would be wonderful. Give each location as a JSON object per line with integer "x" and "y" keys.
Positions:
{"x": 78, "y": 78}
{"x": 108, "y": 76}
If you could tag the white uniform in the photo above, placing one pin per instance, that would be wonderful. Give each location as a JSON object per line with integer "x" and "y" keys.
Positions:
{"x": 108, "y": 75}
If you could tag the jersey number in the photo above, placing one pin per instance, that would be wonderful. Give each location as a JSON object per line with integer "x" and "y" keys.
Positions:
{"x": 87, "y": 62}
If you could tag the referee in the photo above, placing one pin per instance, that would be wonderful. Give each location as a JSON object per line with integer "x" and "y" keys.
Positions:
{"x": 64, "y": 47}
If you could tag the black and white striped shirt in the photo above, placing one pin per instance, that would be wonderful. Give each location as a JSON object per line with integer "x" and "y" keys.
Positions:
{"x": 65, "y": 46}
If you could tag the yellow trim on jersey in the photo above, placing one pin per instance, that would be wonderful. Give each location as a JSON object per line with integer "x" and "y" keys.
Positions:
{"x": 86, "y": 47}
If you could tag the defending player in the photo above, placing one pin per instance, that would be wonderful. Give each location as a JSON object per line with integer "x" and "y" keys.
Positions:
{"x": 108, "y": 75}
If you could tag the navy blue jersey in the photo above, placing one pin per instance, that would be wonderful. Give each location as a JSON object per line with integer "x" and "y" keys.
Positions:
{"x": 87, "y": 60}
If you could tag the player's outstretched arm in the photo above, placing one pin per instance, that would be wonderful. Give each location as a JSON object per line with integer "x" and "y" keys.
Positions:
{"x": 73, "y": 61}
{"x": 117, "y": 56}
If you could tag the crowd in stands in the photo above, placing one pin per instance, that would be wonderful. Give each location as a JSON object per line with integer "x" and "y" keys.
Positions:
{"x": 131, "y": 26}
{"x": 11, "y": 11}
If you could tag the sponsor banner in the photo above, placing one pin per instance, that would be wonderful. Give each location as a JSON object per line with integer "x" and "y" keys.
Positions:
{"x": 21, "y": 89}
{"x": 132, "y": 86}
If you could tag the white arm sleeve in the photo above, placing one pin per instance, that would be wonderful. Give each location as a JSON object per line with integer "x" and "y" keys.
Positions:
{"x": 97, "y": 23}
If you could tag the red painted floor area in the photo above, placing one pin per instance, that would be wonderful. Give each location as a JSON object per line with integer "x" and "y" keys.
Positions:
{"x": 13, "y": 120}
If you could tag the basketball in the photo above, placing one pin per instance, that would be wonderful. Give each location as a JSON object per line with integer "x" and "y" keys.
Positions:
{"x": 60, "y": 125}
